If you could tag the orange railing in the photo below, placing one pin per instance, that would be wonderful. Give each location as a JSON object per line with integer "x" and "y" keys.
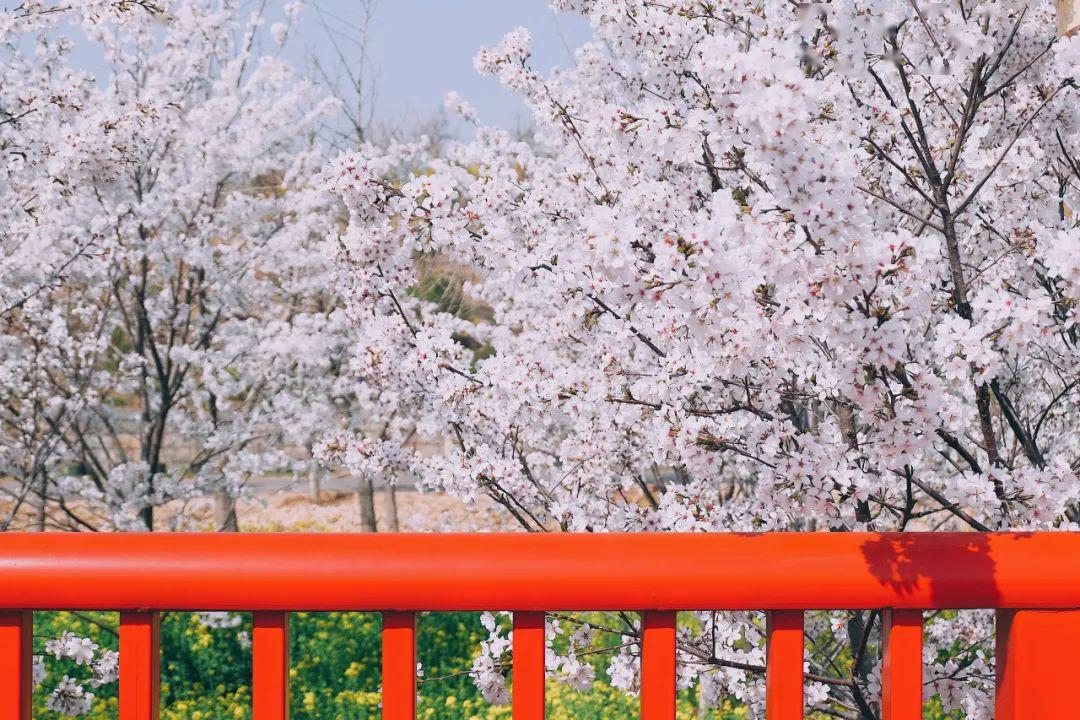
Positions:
{"x": 1032, "y": 579}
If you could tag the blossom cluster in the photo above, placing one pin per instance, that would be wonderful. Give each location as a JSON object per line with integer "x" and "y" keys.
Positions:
{"x": 70, "y": 697}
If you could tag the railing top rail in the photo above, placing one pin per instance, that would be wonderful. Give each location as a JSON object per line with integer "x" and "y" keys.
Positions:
{"x": 443, "y": 572}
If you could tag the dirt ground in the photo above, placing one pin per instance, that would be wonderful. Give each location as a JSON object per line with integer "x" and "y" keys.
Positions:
{"x": 339, "y": 512}
{"x": 289, "y": 509}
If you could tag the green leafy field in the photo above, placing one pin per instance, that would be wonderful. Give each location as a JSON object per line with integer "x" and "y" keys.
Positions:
{"x": 334, "y": 672}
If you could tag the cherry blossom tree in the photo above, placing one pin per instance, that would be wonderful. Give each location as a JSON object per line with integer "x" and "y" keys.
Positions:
{"x": 39, "y": 96}
{"x": 766, "y": 266}
{"x": 156, "y": 370}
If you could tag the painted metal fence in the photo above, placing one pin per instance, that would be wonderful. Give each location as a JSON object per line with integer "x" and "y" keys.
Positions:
{"x": 1031, "y": 579}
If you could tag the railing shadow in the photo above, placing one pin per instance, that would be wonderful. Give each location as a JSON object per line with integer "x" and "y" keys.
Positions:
{"x": 953, "y": 567}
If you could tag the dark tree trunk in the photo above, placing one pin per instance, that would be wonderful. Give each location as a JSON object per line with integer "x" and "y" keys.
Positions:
{"x": 365, "y": 498}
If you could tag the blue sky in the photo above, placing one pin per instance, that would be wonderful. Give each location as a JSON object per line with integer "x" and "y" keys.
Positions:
{"x": 419, "y": 49}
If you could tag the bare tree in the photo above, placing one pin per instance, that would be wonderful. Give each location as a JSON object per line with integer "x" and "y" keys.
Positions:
{"x": 352, "y": 77}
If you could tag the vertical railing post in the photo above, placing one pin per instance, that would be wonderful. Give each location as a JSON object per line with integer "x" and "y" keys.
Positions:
{"x": 270, "y": 666}
{"x": 140, "y": 665}
{"x": 16, "y": 664}
{"x": 1037, "y": 656}
{"x": 529, "y": 651}
{"x": 658, "y": 665}
{"x": 399, "y": 666}
{"x": 784, "y": 665}
{"x": 901, "y": 666}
